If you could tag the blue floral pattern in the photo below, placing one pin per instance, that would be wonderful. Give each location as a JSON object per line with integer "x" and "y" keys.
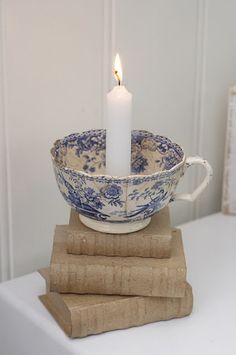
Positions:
{"x": 157, "y": 162}
{"x": 112, "y": 193}
{"x": 139, "y": 164}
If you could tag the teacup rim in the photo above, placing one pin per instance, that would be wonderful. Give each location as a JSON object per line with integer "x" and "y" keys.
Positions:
{"x": 114, "y": 177}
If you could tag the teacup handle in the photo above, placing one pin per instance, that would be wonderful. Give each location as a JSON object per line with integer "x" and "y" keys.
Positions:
{"x": 192, "y": 196}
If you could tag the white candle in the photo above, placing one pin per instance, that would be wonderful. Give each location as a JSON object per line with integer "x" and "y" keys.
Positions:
{"x": 118, "y": 127}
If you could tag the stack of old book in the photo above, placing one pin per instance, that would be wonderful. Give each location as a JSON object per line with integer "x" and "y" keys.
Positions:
{"x": 99, "y": 282}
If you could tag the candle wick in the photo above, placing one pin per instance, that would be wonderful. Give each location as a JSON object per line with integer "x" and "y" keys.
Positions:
{"x": 117, "y": 77}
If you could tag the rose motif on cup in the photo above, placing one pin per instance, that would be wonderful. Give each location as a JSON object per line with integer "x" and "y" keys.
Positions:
{"x": 112, "y": 193}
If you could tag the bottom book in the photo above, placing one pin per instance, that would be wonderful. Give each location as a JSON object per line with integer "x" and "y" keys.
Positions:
{"x": 82, "y": 315}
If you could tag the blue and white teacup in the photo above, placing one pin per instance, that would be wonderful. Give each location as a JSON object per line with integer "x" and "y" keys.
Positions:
{"x": 125, "y": 204}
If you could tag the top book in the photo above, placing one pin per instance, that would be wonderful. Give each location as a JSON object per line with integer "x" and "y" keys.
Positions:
{"x": 154, "y": 241}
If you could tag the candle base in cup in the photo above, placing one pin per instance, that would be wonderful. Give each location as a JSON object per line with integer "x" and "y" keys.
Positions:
{"x": 115, "y": 228}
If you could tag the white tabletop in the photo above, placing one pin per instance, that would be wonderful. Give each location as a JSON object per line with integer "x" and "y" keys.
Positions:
{"x": 26, "y": 328}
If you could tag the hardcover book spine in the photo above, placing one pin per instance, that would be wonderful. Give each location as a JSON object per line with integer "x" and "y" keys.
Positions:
{"x": 118, "y": 245}
{"x": 122, "y": 313}
{"x": 120, "y": 280}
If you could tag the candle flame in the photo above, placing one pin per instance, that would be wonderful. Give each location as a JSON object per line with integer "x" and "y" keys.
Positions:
{"x": 118, "y": 69}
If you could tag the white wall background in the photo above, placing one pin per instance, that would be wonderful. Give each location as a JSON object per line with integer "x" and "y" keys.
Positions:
{"x": 179, "y": 58}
